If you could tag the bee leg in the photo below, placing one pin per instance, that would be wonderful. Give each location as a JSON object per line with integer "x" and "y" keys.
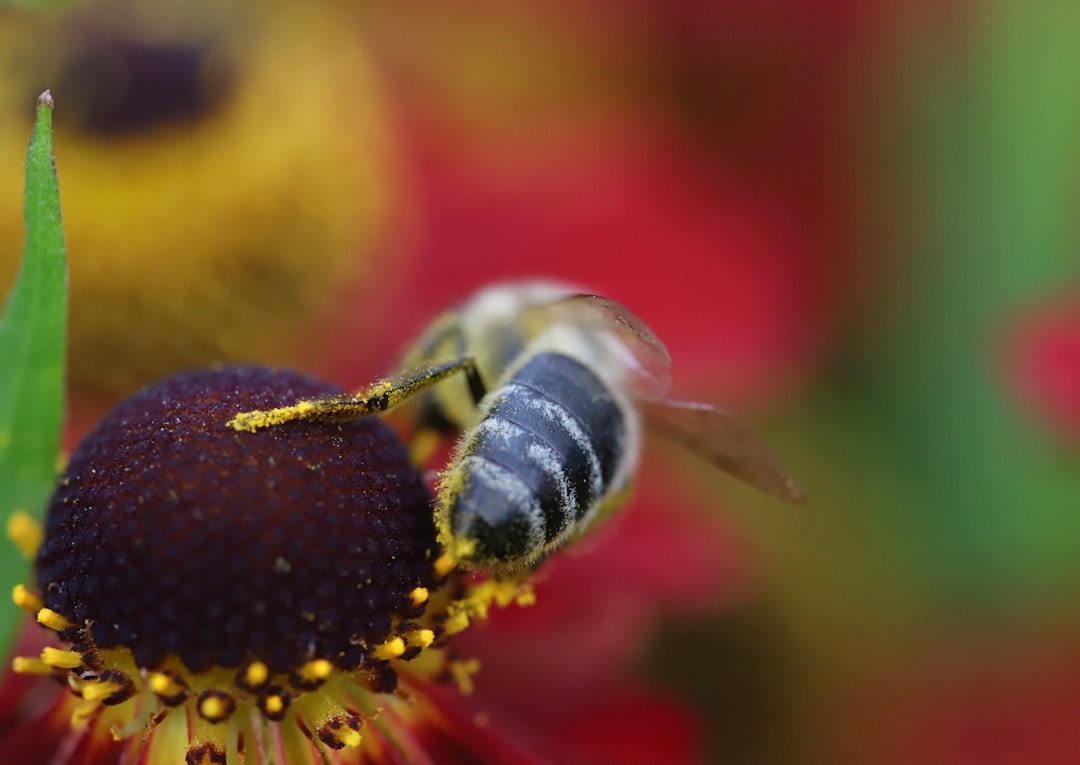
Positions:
{"x": 387, "y": 395}
{"x": 477, "y": 389}
{"x": 383, "y": 396}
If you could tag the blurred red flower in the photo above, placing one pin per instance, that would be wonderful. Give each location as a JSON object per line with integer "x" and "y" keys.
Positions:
{"x": 1042, "y": 360}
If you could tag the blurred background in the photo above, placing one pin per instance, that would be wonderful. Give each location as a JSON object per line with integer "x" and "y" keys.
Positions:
{"x": 853, "y": 221}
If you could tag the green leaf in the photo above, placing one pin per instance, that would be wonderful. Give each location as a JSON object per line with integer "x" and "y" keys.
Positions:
{"x": 993, "y": 148}
{"x": 32, "y": 349}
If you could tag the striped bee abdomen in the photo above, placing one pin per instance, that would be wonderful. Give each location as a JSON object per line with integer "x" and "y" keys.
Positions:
{"x": 541, "y": 459}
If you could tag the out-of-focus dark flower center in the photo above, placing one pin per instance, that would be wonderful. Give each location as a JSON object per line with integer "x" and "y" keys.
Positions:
{"x": 113, "y": 85}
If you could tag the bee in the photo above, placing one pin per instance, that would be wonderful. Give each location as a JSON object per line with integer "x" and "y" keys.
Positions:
{"x": 548, "y": 390}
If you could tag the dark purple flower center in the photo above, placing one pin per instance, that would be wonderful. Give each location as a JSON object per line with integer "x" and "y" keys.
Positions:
{"x": 172, "y": 534}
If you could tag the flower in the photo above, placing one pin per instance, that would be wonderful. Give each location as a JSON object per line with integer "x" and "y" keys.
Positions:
{"x": 214, "y": 202}
{"x": 1042, "y": 364}
{"x": 611, "y": 209}
{"x": 214, "y": 594}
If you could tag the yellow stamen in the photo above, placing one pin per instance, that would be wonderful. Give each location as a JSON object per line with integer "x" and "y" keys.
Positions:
{"x": 462, "y": 671}
{"x": 25, "y": 532}
{"x": 480, "y": 599}
{"x": 445, "y": 564}
{"x": 212, "y": 708}
{"x": 419, "y": 596}
{"x": 83, "y": 713}
{"x": 54, "y": 621}
{"x": 165, "y": 685}
{"x": 162, "y": 684}
{"x": 207, "y": 742}
{"x": 420, "y": 638}
{"x": 319, "y": 669}
{"x": 26, "y": 600}
{"x": 391, "y": 649}
{"x": 510, "y": 592}
{"x": 457, "y": 621}
{"x": 30, "y": 665}
{"x": 350, "y": 738}
{"x": 274, "y": 704}
{"x": 205, "y": 757}
{"x": 56, "y": 657}
{"x": 99, "y": 691}
{"x": 216, "y": 706}
{"x": 340, "y": 732}
{"x": 256, "y": 674}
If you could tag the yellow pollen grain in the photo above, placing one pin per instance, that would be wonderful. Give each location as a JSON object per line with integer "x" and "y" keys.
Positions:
{"x": 506, "y": 593}
{"x": 259, "y": 418}
{"x": 376, "y": 389}
{"x": 419, "y": 596}
{"x": 25, "y": 532}
{"x": 56, "y": 657}
{"x": 274, "y": 704}
{"x": 54, "y": 621}
{"x": 99, "y": 691}
{"x": 444, "y": 564}
{"x": 257, "y": 673}
{"x": 30, "y": 665}
{"x": 391, "y": 649}
{"x": 420, "y": 638}
{"x": 26, "y": 600}
{"x": 319, "y": 669}
{"x": 350, "y": 738}
{"x": 463, "y": 549}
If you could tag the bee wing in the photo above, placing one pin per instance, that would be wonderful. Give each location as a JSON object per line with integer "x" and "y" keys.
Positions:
{"x": 719, "y": 437}
{"x": 643, "y": 352}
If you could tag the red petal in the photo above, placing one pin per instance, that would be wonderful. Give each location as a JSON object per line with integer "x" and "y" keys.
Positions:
{"x": 724, "y": 285}
{"x": 631, "y": 727}
{"x": 36, "y": 731}
{"x": 441, "y": 730}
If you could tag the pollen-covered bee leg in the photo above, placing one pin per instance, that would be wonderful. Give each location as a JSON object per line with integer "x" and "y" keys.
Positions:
{"x": 383, "y": 396}
{"x": 387, "y": 395}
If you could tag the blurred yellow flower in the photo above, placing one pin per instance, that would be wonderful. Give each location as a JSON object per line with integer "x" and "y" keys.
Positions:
{"x": 224, "y": 165}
